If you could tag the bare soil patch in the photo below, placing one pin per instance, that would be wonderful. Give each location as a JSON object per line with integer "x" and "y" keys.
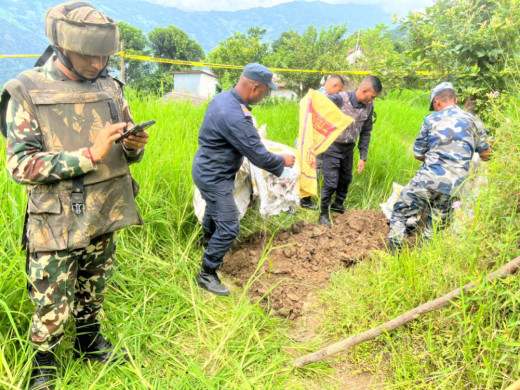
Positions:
{"x": 302, "y": 258}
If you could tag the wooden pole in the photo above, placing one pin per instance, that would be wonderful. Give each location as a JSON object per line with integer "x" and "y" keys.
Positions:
{"x": 122, "y": 62}
{"x": 405, "y": 318}
{"x": 514, "y": 386}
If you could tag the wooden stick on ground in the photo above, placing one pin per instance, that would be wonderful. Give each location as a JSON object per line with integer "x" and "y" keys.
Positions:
{"x": 405, "y": 318}
{"x": 514, "y": 386}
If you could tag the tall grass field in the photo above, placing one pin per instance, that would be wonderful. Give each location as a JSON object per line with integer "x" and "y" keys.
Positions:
{"x": 180, "y": 337}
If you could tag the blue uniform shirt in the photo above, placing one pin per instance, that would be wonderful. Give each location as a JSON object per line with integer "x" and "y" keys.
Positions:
{"x": 227, "y": 135}
{"x": 448, "y": 139}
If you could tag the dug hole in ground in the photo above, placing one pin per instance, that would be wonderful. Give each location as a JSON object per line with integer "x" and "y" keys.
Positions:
{"x": 301, "y": 258}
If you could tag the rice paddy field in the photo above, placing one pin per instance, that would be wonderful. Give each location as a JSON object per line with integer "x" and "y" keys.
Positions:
{"x": 180, "y": 337}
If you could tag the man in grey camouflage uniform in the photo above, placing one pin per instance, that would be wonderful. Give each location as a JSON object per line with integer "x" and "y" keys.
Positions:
{"x": 446, "y": 143}
{"x": 331, "y": 89}
{"x": 61, "y": 120}
{"x": 338, "y": 159}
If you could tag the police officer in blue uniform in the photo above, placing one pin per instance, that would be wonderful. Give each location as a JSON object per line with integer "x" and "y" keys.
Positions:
{"x": 227, "y": 135}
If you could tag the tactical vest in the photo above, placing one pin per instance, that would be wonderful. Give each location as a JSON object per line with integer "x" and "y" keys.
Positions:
{"x": 360, "y": 115}
{"x": 70, "y": 115}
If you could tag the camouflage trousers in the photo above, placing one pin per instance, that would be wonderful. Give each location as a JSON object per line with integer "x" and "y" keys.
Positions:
{"x": 65, "y": 282}
{"x": 413, "y": 199}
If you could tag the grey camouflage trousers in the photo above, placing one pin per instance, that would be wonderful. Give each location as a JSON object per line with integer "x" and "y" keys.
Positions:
{"x": 413, "y": 199}
{"x": 65, "y": 282}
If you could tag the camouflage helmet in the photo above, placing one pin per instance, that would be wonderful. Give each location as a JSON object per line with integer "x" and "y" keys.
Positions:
{"x": 79, "y": 27}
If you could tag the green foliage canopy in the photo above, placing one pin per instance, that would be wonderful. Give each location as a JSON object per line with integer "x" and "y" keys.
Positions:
{"x": 473, "y": 43}
{"x": 168, "y": 42}
{"x": 383, "y": 56}
{"x": 239, "y": 49}
{"x": 135, "y": 42}
{"x": 174, "y": 43}
{"x": 316, "y": 50}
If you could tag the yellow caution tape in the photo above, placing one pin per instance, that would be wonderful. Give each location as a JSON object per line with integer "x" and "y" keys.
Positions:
{"x": 220, "y": 66}
{"x": 20, "y": 56}
{"x": 217, "y": 66}
{"x": 224, "y": 66}
{"x": 237, "y": 67}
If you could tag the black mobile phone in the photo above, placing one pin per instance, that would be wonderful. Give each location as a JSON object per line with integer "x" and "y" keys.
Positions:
{"x": 140, "y": 127}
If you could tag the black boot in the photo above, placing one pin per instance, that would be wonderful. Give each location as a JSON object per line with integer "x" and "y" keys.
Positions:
{"x": 337, "y": 207}
{"x": 325, "y": 219}
{"x": 207, "y": 279}
{"x": 307, "y": 203}
{"x": 91, "y": 344}
{"x": 43, "y": 375}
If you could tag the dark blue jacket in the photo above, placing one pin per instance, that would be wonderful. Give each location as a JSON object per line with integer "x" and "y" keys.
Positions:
{"x": 227, "y": 135}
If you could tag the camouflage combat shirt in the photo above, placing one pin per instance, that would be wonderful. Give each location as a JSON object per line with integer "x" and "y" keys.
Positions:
{"x": 448, "y": 139}
{"x": 361, "y": 127}
{"x": 51, "y": 122}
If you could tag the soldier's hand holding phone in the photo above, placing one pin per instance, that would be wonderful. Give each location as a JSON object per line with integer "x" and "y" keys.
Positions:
{"x": 136, "y": 137}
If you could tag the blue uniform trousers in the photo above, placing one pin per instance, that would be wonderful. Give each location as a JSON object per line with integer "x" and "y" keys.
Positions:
{"x": 336, "y": 169}
{"x": 221, "y": 222}
{"x": 413, "y": 199}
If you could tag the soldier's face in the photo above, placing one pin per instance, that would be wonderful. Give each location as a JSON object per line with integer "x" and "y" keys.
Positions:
{"x": 88, "y": 66}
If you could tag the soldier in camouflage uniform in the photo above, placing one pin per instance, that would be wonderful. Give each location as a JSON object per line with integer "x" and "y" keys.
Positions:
{"x": 446, "y": 143}
{"x": 61, "y": 120}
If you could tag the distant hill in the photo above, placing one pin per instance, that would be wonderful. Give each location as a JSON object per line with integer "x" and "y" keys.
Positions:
{"x": 22, "y": 22}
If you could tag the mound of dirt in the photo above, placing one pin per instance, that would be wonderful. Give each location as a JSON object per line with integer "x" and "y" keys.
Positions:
{"x": 302, "y": 258}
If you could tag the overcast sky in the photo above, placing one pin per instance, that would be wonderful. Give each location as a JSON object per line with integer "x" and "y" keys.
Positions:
{"x": 400, "y": 7}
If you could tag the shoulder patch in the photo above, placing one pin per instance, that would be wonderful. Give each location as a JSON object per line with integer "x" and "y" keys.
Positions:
{"x": 246, "y": 112}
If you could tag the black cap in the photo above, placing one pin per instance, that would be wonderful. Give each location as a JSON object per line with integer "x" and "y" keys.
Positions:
{"x": 260, "y": 73}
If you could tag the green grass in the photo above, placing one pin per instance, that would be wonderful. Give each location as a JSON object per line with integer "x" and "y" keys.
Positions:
{"x": 472, "y": 344}
{"x": 182, "y": 338}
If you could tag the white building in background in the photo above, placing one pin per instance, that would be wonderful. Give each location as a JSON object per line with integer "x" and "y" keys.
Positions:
{"x": 282, "y": 91}
{"x": 197, "y": 82}
{"x": 355, "y": 54}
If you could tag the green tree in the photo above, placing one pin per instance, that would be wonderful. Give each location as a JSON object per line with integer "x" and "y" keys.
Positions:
{"x": 169, "y": 43}
{"x": 135, "y": 42}
{"x": 383, "y": 55}
{"x": 174, "y": 43}
{"x": 156, "y": 81}
{"x": 280, "y": 41}
{"x": 321, "y": 51}
{"x": 473, "y": 43}
{"x": 239, "y": 49}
